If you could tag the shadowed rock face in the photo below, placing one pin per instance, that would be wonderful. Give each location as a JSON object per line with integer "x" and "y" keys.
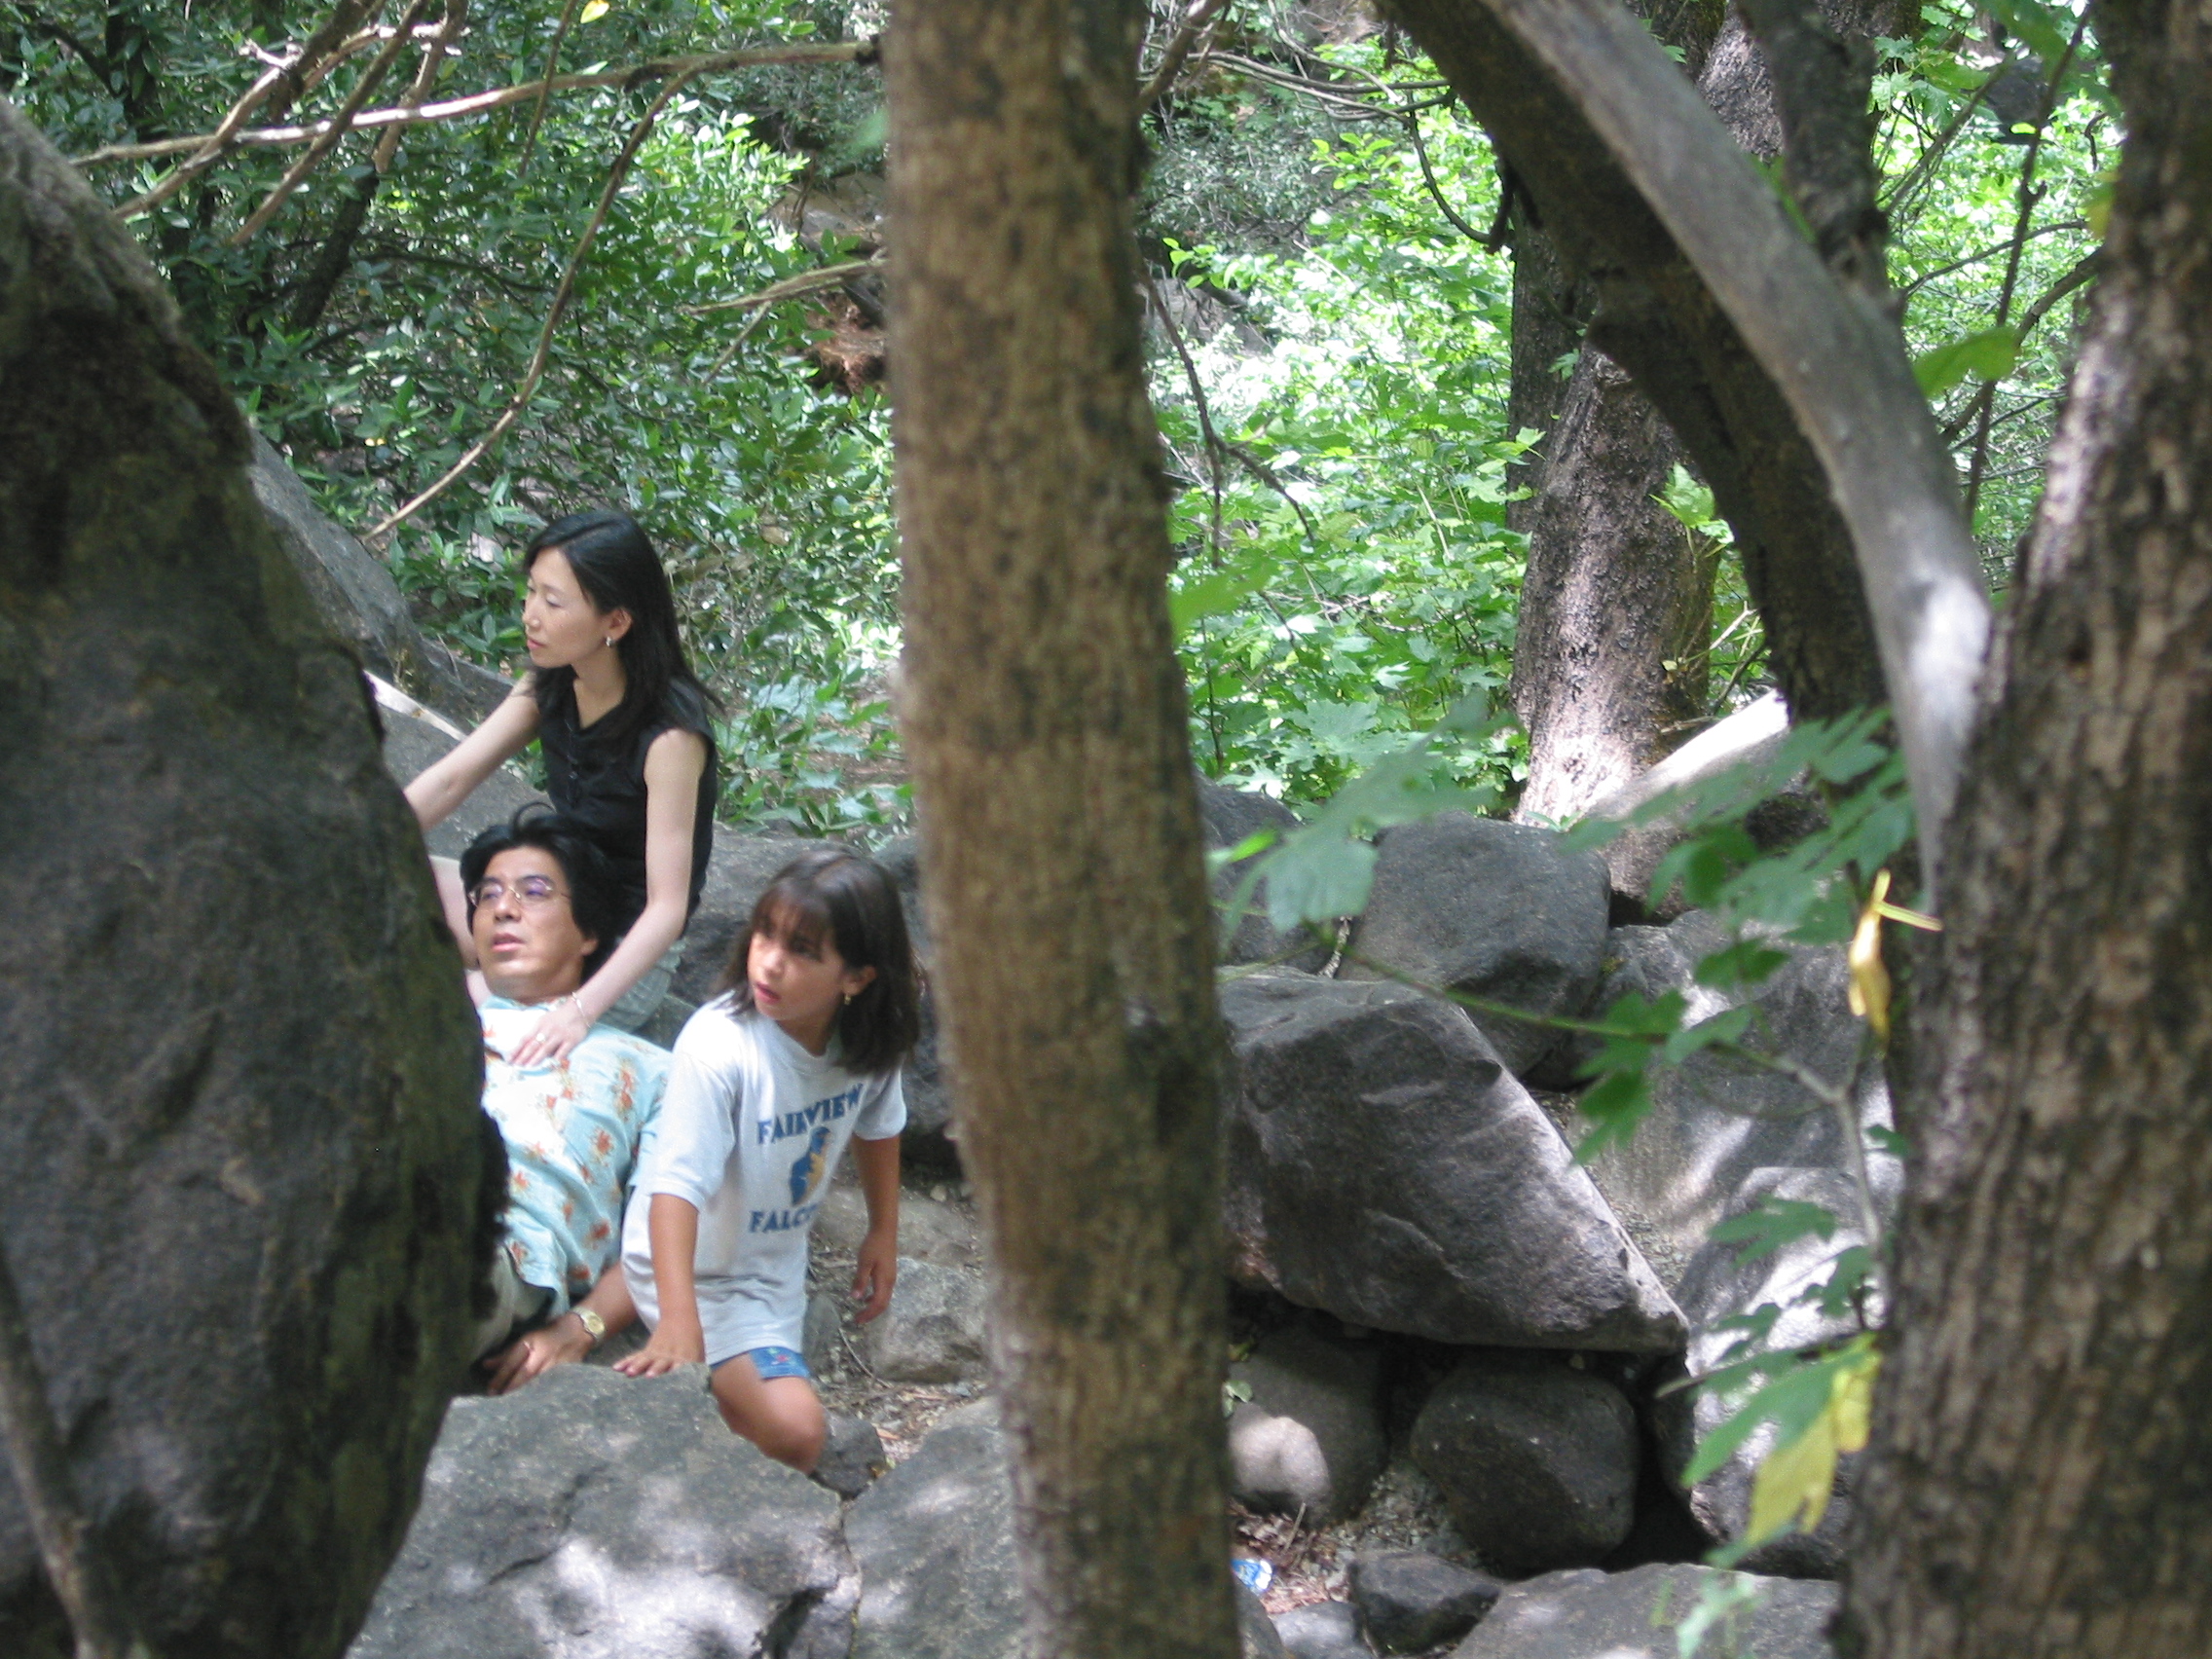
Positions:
{"x": 240, "y": 1069}
{"x": 1586, "y": 1614}
{"x": 1383, "y": 1165}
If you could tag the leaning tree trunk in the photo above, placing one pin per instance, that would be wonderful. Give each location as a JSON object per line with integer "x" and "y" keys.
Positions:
{"x": 237, "y": 1070}
{"x": 2040, "y": 1483}
{"x": 1044, "y": 714}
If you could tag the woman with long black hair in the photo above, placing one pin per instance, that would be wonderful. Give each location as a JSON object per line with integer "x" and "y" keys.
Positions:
{"x": 629, "y": 756}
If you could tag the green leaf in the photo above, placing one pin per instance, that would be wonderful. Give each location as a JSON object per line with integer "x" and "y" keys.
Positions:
{"x": 1988, "y": 355}
{"x": 1775, "y": 1223}
{"x": 1213, "y": 595}
{"x": 1315, "y": 877}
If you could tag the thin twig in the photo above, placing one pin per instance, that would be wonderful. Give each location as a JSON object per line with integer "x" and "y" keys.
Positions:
{"x": 1196, "y": 21}
{"x": 2029, "y": 196}
{"x": 560, "y": 296}
{"x": 321, "y": 147}
{"x": 1214, "y": 447}
{"x": 546, "y": 87}
{"x": 280, "y": 87}
{"x": 433, "y": 55}
{"x": 791, "y": 287}
{"x": 855, "y": 51}
{"x": 75, "y": 1565}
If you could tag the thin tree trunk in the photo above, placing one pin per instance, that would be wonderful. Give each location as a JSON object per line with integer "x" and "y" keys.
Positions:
{"x": 2039, "y": 1482}
{"x": 1044, "y": 714}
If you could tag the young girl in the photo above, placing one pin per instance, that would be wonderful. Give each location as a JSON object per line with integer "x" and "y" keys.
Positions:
{"x": 798, "y": 1053}
{"x": 628, "y": 758}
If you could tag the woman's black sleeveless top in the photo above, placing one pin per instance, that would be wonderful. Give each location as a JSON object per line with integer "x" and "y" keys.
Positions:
{"x": 604, "y": 791}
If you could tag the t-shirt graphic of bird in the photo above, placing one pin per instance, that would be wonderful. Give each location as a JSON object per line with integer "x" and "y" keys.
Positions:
{"x": 807, "y": 1171}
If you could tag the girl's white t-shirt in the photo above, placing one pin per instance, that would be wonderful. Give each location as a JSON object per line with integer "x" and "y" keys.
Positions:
{"x": 748, "y": 1132}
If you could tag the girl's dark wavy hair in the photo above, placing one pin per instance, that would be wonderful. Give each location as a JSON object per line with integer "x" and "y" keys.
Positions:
{"x": 851, "y": 903}
{"x": 618, "y": 569}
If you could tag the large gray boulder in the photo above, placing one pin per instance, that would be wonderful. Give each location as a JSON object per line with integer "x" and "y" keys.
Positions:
{"x": 928, "y": 1231}
{"x": 1715, "y": 1119}
{"x": 1501, "y": 912}
{"x": 1311, "y": 1436}
{"x": 1322, "y": 1629}
{"x": 1385, "y": 1166}
{"x": 1537, "y": 1458}
{"x": 358, "y": 597}
{"x": 1588, "y": 1614}
{"x": 590, "y": 1516}
{"x": 247, "y": 1191}
{"x": 1721, "y": 1283}
{"x": 932, "y": 1331}
{"x": 934, "y": 1539}
{"x": 410, "y": 744}
{"x": 1229, "y": 817}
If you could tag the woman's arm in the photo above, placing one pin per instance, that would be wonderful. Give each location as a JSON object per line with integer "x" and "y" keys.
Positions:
{"x": 672, "y": 1224}
{"x": 672, "y": 765}
{"x": 448, "y": 782}
{"x": 878, "y": 1268}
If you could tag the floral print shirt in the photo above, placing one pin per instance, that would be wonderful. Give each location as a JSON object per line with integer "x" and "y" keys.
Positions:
{"x": 572, "y": 1131}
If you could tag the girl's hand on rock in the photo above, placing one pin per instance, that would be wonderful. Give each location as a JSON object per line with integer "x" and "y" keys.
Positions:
{"x": 556, "y": 1037}
{"x": 664, "y": 1353}
{"x": 873, "y": 1278}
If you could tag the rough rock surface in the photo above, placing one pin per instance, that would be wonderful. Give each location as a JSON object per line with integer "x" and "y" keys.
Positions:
{"x": 1312, "y": 1436}
{"x": 1383, "y": 1165}
{"x": 1721, "y": 1283}
{"x": 1229, "y": 817}
{"x": 1410, "y": 1599}
{"x": 589, "y": 1515}
{"x": 852, "y": 1456}
{"x": 934, "y": 1541}
{"x": 928, "y": 1231}
{"x": 1322, "y": 1629}
{"x": 1501, "y": 912}
{"x": 932, "y": 1331}
{"x": 1587, "y": 1614}
{"x": 240, "y": 1074}
{"x": 1715, "y": 1119}
{"x": 1537, "y": 1459}
{"x": 358, "y": 597}
{"x": 410, "y": 744}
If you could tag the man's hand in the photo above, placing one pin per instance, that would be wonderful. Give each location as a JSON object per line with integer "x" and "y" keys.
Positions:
{"x": 669, "y": 1348}
{"x": 555, "y": 1037}
{"x": 564, "y": 1341}
{"x": 878, "y": 1270}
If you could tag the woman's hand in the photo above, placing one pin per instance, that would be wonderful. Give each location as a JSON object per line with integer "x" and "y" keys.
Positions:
{"x": 875, "y": 1275}
{"x": 669, "y": 1348}
{"x": 564, "y": 1341}
{"x": 555, "y": 1037}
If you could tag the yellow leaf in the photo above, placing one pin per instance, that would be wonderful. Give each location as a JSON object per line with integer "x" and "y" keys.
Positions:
{"x": 1795, "y": 1480}
{"x": 1852, "y": 1405}
{"x": 1869, "y": 992}
{"x": 593, "y": 10}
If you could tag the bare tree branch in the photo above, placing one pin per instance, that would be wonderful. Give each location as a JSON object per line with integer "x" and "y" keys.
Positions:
{"x": 75, "y": 1565}
{"x": 434, "y": 57}
{"x": 277, "y": 90}
{"x": 791, "y": 287}
{"x": 371, "y": 78}
{"x": 546, "y": 87}
{"x": 561, "y": 297}
{"x": 1196, "y": 21}
{"x": 858, "y": 52}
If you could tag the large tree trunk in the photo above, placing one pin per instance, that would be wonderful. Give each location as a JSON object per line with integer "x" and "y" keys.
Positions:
{"x": 237, "y": 1069}
{"x": 2042, "y": 1474}
{"x": 1045, "y": 715}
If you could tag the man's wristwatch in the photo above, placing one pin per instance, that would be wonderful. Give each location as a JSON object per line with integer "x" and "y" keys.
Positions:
{"x": 594, "y": 1326}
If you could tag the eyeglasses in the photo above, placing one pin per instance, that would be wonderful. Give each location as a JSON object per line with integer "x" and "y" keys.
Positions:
{"x": 529, "y": 889}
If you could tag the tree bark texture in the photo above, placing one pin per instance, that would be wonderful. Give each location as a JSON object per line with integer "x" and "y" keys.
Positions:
{"x": 1616, "y": 589}
{"x": 239, "y": 1074}
{"x": 1045, "y": 715}
{"x": 1791, "y": 389}
{"x": 2041, "y": 1478}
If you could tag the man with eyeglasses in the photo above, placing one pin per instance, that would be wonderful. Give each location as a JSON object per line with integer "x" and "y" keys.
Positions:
{"x": 541, "y": 903}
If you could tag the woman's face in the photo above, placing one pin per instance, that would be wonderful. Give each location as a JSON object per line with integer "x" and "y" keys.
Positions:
{"x": 559, "y": 625}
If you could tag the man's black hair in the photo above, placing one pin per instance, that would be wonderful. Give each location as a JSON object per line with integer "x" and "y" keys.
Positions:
{"x": 592, "y": 897}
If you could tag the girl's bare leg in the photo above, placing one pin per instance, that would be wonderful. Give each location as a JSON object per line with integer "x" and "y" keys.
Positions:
{"x": 782, "y": 1416}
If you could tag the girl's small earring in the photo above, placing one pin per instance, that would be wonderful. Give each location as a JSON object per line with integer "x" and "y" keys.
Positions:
{"x": 848, "y": 999}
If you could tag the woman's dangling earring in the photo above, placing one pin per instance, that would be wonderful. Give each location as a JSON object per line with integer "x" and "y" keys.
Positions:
{"x": 611, "y": 641}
